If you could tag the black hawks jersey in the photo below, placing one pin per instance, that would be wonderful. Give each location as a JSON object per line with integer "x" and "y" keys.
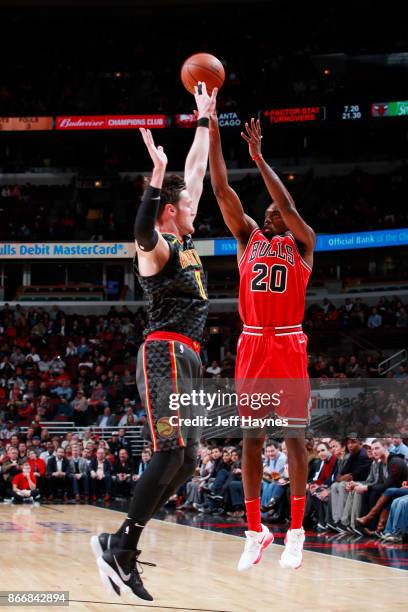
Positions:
{"x": 177, "y": 296}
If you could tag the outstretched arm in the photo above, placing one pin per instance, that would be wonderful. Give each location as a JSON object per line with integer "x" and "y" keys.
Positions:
{"x": 239, "y": 224}
{"x": 278, "y": 192}
{"x": 197, "y": 158}
{"x": 152, "y": 250}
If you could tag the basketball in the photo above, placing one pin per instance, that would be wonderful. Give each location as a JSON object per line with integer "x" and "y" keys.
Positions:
{"x": 202, "y": 67}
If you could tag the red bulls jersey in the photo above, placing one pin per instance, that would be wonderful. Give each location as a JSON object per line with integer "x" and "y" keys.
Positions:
{"x": 273, "y": 280}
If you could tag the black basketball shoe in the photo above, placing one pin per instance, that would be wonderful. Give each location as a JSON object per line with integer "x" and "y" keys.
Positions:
{"x": 120, "y": 566}
{"x": 103, "y": 542}
{"x": 100, "y": 543}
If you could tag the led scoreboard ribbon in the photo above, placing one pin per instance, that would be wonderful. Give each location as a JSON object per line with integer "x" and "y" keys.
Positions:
{"x": 291, "y": 115}
{"x": 316, "y": 114}
{"x": 356, "y": 111}
{"x": 297, "y": 114}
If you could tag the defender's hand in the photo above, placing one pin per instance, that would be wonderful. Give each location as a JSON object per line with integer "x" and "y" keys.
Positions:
{"x": 157, "y": 154}
{"x": 253, "y": 137}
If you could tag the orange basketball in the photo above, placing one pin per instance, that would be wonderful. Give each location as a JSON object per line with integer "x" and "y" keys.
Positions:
{"x": 202, "y": 67}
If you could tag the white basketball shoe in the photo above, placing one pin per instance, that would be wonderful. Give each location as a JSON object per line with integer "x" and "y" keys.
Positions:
{"x": 255, "y": 544}
{"x": 292, "y": 556}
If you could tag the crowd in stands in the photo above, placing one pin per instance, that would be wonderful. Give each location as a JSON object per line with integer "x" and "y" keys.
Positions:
{"x": 329, "y": 204}
{"x": 352, "y": 485}
{"x": 37, "y": 466}
{"x": 76, "y": 368}
{"x": 355, "y": 314}
{"x": 81, "y": 368}
{"x": 106, "y": 69}
{"x": 359, "y": 486}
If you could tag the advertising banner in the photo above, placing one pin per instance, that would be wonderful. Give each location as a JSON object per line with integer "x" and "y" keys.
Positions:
{"x": 66, "y": 250}
{"x": 110, "y": 122}
{"x": 390, "y": 109}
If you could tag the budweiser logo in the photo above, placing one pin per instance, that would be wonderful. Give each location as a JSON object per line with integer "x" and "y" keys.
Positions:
{"x": 79, "y": 122}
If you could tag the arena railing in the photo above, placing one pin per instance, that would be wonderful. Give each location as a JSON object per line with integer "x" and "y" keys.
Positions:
{"x": 134, "y": 433}
{"x": 392, "y": 362}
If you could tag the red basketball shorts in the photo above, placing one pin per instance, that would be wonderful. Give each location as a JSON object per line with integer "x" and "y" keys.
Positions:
{"x": 272, "y": 362}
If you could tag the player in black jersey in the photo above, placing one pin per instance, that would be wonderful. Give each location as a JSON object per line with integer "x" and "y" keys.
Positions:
{"x": 171, "y": 275}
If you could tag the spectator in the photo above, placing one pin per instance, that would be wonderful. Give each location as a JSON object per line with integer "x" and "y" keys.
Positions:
{"x": 83, "y": 349}
{"x": 397, "y": 523}
{"x": 58, "y": 471}
{"x": 98, "y": 398}
{"x": 194, "y": 487}
{"x": 78, "y": 474}
{"x": 399, "y": 448}
{"x": 353, "y": 367}
{"x": 22, "y": 453}
{"x": 7, "y": 369}
{"x": 214, "y": 369}
{"x": 24, "y": 486}
{"x": 122, "y": 474}
{"x": 36, "y": 445}
{"x": 101, "y": 478}
{"x": 129, "y": 418}
{"x": 214, "y": 489}
{"x": 393, "y": 487}
{"x": 17, "y": 357}
{"x": 318, "y": 490}
{"x": 38, "y": 469}
{"x": 144, "y": 462}
{"x": 235, "y": 487}
{"x": 107, "y": 419}
{"x": 9, "y": 469}
{"x": 402, "y": 317}
{"x": 33, "y": 355}
{"x": 79, "y": 407}
{"x": 64, "y": 390}
{"x": 49, "y": 452}
{"x": 128, "y": 382}
{"x": 122, "y": 439}
{"x": 273, "y": 469}
{"x": 373, "y": 486}
{"x": 114, "y": 445}
{"x": 71, "y": 350}
{"x": 374, "y": 320}
{"x": 86, "y": 454}
{"x": 356, "y": 467}
{"x": 64, "y": 393}
{"x": 67, "y": 440}
{"x": 8, "y": 430}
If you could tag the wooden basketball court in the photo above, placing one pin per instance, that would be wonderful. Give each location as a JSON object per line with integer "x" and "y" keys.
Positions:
{"x": 47, "y": 548}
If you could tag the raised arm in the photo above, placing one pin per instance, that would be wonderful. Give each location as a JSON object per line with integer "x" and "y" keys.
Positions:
{"x": 197, "y": 158}
{"x": 302, "y": 232}
{"x": 153, "y": 251}
{"x": 239, "y": 224}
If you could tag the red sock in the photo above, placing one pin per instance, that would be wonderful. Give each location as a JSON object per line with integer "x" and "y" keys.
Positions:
{"x": 297, "y": 510}
{"x": 253, "y": 512}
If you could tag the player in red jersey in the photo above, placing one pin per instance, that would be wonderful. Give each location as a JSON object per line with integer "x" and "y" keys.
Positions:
{"x": 275, "y": 263}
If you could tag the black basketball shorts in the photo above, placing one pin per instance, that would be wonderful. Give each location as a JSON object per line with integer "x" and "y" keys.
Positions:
{"x": 168, "y": 365}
